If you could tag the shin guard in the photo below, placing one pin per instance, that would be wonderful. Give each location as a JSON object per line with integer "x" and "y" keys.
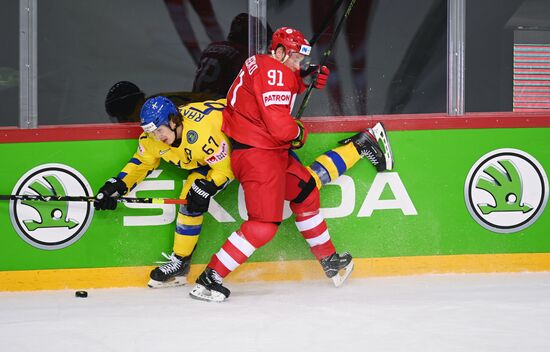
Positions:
{"x": 240, "y": 246}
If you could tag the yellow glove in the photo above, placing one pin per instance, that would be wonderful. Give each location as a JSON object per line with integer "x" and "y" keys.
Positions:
{"x": 299, "y": 141}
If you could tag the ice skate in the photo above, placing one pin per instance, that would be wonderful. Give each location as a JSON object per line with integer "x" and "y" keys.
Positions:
{"x": 209, "y": 287}
{"x": 373, "y": 144}
{"x": 171, "y": 273}
{"x": 337, "y": 267}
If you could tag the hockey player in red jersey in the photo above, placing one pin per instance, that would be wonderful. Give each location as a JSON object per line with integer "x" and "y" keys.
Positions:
{"x": 258, "y": 121}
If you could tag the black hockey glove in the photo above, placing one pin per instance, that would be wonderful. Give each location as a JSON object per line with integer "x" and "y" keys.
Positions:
{"x": 198, "y": 197}
{"x": 106, "y": 196}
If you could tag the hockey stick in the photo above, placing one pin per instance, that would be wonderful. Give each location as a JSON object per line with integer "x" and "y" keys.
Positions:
{"x": 89, "y": 199}
{"x": 326, "y": 22}
{"x": 324, "y": 59}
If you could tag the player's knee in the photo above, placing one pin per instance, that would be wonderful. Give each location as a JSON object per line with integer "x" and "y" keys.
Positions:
{"x": 183, "y": 210}
{"x": 188, "y": 225}
{"x": 258, "y": 233}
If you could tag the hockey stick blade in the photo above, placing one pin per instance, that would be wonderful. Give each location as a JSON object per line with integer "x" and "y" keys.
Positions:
{"x": 382, "y": 137}
{"x": 40, "y": 198}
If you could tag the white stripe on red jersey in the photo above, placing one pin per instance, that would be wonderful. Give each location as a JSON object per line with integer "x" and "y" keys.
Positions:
{"x": 322, "y": 238}
{"x": 242, "y": 244}
{"x": 234, "y": 251}
{"x": 227, "y": 260}
{"x": 308, "y": 224}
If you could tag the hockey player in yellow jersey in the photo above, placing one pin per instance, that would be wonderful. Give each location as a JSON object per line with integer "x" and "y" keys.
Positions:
{"x": 190, "y": 138}
{"x": 194, "y": 143}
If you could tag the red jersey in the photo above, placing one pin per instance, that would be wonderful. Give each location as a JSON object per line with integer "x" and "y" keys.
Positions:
{"x": 259, "y": 104}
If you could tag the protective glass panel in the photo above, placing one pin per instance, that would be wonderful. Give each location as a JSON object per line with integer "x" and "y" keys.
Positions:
{"x": 85, "y": 47}
{"x": 390, "y": 57}
{"x": 9, "y": 63}
{"x": 508, "y": 55}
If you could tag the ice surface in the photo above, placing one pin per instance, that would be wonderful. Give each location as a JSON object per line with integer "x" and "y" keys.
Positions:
{"x": 493, "y": 312}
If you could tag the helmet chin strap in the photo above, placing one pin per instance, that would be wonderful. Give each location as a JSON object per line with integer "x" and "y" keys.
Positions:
{"x": 177, "y": 141}
{"x": 281, "y": 61}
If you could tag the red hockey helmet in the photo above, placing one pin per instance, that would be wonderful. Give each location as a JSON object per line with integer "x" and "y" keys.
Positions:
{"x": 292, "y": 40}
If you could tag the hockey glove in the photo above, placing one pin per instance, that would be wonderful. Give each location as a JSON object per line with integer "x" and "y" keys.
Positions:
{"x": 106, "y": 196}
{"x": 198, "y": 197}
{"x": 299, "y": 141}
{"x": 313, "y": 70}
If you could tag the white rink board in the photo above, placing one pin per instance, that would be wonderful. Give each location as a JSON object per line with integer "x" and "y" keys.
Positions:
{"x": 499, "y": 312}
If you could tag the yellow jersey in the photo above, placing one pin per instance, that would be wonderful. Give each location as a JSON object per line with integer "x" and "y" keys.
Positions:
{"x": 203, "y": 144}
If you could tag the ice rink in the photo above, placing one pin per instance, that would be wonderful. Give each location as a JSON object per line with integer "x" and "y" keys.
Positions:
{"x": 494, "y": 312}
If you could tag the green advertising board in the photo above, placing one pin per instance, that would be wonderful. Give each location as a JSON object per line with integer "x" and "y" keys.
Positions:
{"x": 452, "y": 192}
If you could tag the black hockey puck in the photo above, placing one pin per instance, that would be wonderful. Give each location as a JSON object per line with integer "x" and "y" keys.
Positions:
{"x": 81, "y": 294}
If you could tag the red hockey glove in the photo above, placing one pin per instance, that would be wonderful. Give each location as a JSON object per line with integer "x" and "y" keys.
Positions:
{"x": 322, "y": 78}
{"x": 299, "y": 141}
{"x": 313, "y": 70}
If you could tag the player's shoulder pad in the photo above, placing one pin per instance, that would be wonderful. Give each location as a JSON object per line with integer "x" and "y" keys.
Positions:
{"x": 196, "y": 113}
{"x": 222, "y": 101}
{"x": 251, "y": 64}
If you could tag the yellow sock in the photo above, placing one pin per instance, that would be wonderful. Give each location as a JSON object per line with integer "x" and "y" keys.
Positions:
{"x": 187, "y": 233}
{"x": 328, "y": 166}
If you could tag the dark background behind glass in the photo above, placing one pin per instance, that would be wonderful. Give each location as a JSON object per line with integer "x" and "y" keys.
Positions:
{"x": 9, "y": 63}
{"x": 389, "y": 58}
{"x": 85, "y": 47}
{"x": 490, "y": 27}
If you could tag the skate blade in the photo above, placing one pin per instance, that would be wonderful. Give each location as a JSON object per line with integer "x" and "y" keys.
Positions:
{"x": 203, "y": 294}
{"x": 176, "y": 281}
{"x": 381, "y": 136}
{"x": 339, "y": 278}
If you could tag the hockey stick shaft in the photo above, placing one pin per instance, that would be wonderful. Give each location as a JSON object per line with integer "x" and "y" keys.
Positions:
{"x": 326, "y": 22}
{"x": 90, "y": 199}
{"x": 324, "y": 59}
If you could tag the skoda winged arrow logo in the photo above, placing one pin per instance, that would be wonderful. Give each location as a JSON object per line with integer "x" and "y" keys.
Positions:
{"x": 506, "y": 190}
{"x": 51, "y": 225}
{"x": 505, "y": 187}
{"x": 48, "y": 186}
